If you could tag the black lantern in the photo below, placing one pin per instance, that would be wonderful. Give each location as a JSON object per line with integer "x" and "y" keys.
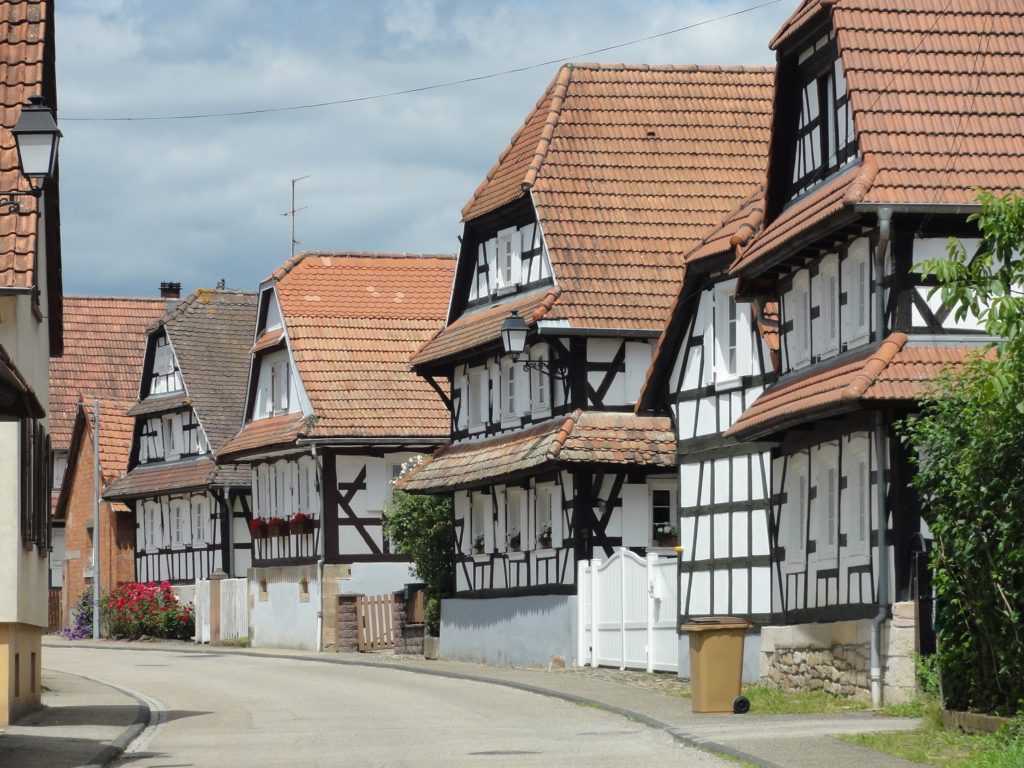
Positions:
{"x": 37, "y": 136}
{"x": 513, "y": 335}
{"x": 513, "y": 339}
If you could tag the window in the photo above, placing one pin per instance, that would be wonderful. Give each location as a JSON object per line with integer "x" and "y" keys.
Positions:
{"x": 279, "y": 386}
{"x": 797, "y": 307}
{"x": 480, "y": 530}
{"x": 60, "y": 463}
{"x": 542, "y": 516}
{"x": 151, "y": 520}
{"x": 794, "y": 534}
{"x": 151, "y": 447}
{"x": 509, "y": 410}
{"x": 540, "y": 384}
{"x": 478, "y": 397}
{"x": 826, "y": 501}
{"x": 727, "y": 329}
{"x": 192, "y": 442}
{"x": 171, "y": 424}
{"x": 198, "y": 521}
{"x": 515, "y": 524}
{"x": 824, "y": 140}
{"x": 507, "y": 265}
{"x": 857, "y": 282}
{"x": 663, "y": 516}
{"x": 165, "y": 377}
{"x": 35, "y": 485}
{"x": 828, "y": 317}
{"x": 177, "y": 524}
{"x": 857, "y": 510}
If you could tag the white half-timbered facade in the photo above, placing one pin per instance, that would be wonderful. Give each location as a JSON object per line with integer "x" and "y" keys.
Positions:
{"x": 190, "y": 515}
{"x": 856, "y": 197}
{"x": 548, "y": 465}
{"x": 332, "y": 413}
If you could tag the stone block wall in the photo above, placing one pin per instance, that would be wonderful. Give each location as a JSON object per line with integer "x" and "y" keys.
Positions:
{"x": 835, "y": 657}
{"x": 347, "y": 640}
{"x": 408, "y": 636}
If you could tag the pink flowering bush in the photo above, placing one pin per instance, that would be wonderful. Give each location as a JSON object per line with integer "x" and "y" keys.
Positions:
{"x": 135, "y": 610}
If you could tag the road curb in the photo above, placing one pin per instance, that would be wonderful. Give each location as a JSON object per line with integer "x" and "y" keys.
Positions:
{"x": 676, "y": 733}
{"x": 109, "y": 753}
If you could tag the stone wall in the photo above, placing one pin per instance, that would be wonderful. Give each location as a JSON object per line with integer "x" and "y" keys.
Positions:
{"x": 835, "y": 657}
{"x": 408, "y": 635}
{"x": 408, "y": 638}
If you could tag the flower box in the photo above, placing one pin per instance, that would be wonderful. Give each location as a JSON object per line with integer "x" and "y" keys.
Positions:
{"x": 258, "y": 528}
{"x": 302, "y": 527}
{"x": 668, "y": 541}
{"x": 277, "y": 527}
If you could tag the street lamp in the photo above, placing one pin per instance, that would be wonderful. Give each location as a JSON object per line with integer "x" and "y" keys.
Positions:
{"x": 36, "y": 136}
{"x": 513, "y": 340}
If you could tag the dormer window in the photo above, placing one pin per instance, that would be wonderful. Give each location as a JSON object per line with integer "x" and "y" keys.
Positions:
{"x": 165, "y": 377}
{"x": 825, "y": 139}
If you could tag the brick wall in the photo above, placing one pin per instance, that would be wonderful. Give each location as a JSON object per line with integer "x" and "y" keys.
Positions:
{"x": 117, "y": 535}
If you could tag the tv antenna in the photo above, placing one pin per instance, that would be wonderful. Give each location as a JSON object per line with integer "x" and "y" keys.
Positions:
{"x": 295, "y": 210}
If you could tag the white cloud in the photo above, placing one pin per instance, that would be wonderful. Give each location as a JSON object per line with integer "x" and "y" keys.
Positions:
{"x": 199, "y": 200}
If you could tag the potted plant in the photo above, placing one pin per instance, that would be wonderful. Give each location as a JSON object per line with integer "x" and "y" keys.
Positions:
{"x": 478, "y": 543}
{"x": 666, "y": 534}
{"x": 544, "y": 537}
{"x": 277, "y": 526}
{"x": 301, "y": 523}
{"x": 258, "y": 528}
{"x": 514, "y": 540}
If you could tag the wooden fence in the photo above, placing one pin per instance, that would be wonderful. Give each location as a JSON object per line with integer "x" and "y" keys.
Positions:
{"x": 55, "y": 616}
{"x": 375, "y": 622}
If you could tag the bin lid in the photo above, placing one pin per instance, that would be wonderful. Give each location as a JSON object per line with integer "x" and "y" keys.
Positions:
{"x": 705, "y": 623}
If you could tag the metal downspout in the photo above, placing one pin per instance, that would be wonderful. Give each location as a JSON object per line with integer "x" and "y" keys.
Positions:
{"x": 884, "y": 231}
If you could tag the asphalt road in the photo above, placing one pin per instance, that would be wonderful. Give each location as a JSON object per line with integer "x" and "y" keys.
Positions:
{"x": 247, "y": 711}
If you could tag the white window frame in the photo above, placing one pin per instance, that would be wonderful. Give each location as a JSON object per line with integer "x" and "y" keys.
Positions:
{"x": 60, "y": 464}
{"x": 480, "y": 522}
{"x": 797, "y": 307}
{"x": 509, "y": 393}
{"x": 795, "y": 514}
{"x": 478, "y": 398}
{"x": 280, "y": 386}
{"x": 514, "y": 522}
{"x": 543, "y": 507}
{"x": 727, "y": 334}
{"x": 661, "y": 486}
{"x": 507, "y": 253}
{"x": 170, "y": 426}
{"x": 199, "y": 513}
{"x": 178, "y": 522}
{"x": 857, "y": 278}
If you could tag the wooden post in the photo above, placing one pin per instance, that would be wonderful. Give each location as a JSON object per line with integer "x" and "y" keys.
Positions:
{"x": 215, "y": 580}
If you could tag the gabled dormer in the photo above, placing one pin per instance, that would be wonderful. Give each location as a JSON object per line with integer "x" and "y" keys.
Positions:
{"x": 275, "y": 389}
{"x": 502, "y": 261}
{"x": 162, "y": 373}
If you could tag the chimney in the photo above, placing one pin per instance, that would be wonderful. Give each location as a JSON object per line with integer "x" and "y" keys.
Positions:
{"x": 170, "y": 290}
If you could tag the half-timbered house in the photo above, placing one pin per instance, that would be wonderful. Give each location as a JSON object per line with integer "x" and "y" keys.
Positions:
{"x": 715, "y": 357}
{"x": 579, "y": 229}
{"x": 190, "y": 514}
{"x": 331, "y": 413}
{"x": 31, "y": 332}
{"x": 879, "y": 143}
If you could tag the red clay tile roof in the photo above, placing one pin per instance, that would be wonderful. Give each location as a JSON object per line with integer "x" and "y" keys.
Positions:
{"x": 211, "y": 333}
{"x": 935, "y": 89}
{"x": 483, "y": 326}
{"x": 734, "y": 231}
{"x": 104, "y": 343}
{"x": 353, "y": 320}
{"x": 606, "y": 438}
{"x": 159, "y": 478}
{"x": 804, "y": 13}
{"x": 160, "y": 404}
{"x": 265, "y": 434}
{"x": 269, "y": 340}
{"x": 893, "y": 371}
{"x": 800, "y": 219}
{"x": 25, "y": 26}
{"x": 628, "y": 166}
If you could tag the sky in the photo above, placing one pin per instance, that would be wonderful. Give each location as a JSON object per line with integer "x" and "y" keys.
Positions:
{"x": 199, "y": 200}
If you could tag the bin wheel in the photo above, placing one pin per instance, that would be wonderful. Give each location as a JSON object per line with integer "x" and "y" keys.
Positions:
{"x": 741, "y": 705}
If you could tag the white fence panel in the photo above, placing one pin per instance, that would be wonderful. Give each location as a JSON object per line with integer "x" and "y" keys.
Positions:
{"x": 232, "y": 614}
{"x": 627, "y": 612}
{"x": 202, "y": 606}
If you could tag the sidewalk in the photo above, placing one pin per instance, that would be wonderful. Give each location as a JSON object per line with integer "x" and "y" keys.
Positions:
{"x": 777, "y": 741}
{"x": 82, "y": 723}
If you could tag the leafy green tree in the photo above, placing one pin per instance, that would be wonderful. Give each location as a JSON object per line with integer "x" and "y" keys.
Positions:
{"x": 421, "y": 527}
{"x": 968, "y": 441}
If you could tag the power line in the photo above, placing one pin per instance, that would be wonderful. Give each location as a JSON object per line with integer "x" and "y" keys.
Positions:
{"x": 420, "y": 89}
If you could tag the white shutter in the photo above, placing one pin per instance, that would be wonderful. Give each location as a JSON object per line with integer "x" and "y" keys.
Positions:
{"x": 491, "y": 253}
{"x": 517, "y": 256}
{"x": 522, "y": 389}
{"x": 636, "y": 515}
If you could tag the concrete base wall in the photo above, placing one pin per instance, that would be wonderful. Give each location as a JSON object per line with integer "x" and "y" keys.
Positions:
{"x": 530, "y": 631}
{"x": 21, "y": 669}
{"x": 751, "y": 657}
{"x": 836, "y": 657}
{"x": 282, "y": 615}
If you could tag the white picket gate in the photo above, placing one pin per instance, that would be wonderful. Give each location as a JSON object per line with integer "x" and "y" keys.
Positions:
{"x": 627, "y": 612}
{"x": 233, "y": 616}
